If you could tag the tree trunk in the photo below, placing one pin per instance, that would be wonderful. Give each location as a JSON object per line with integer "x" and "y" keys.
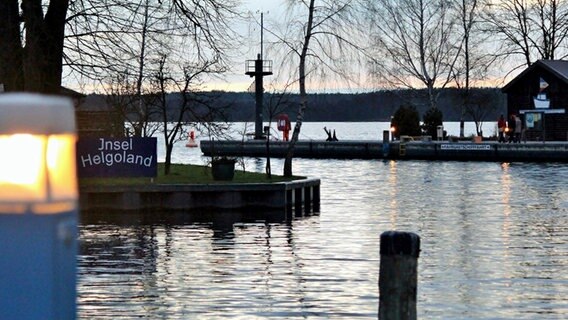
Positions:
{"x": 303, "y": 95}
{"x": 36, "y": 67}
{"x": 168, "y": 160}
{"x": 296, "y": 133}
{"x": 11, "y": 72}
{"x": 268, "y": 168}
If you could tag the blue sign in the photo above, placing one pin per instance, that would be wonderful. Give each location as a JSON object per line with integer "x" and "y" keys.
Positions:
{"x": 111, "y": 157}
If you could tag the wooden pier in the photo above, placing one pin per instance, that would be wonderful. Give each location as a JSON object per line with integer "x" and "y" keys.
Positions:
{"x": 301, "y": 196}
{"x": 348, "y": 149}
{"x": 404, "y": 150}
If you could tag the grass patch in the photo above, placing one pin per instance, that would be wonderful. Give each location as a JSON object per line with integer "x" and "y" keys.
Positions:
{"x": 186, "y": 174}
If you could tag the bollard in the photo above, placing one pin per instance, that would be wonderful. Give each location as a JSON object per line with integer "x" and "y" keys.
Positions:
{"x": 398, "y": 275}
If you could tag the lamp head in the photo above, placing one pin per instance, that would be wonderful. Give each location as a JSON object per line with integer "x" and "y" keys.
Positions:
{"x": 37, "y": 166}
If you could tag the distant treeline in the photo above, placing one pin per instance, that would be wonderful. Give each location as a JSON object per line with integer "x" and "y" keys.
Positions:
{"x": 354, "y": 107}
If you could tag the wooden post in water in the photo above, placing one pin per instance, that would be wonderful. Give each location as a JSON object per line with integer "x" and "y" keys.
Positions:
{"x": 316, "y": 199}
{"x": 386, "y": 143}
{"x": 398, "y": 275}
{"x": 298, "y": 201}
{"x": 307, "y": 200}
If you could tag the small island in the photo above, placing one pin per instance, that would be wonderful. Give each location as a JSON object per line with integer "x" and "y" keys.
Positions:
{"x": 190, "y": 187}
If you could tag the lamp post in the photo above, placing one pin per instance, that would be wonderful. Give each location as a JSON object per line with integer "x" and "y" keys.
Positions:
{"x": 38, "y": 207}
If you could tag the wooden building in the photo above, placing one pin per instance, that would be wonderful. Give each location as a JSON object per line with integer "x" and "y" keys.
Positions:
{"x": 539, "y": 95}
{"x": 94, "y": 123}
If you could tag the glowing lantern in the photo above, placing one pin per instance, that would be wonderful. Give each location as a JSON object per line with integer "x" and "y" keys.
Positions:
{"x": 38, "y": 207}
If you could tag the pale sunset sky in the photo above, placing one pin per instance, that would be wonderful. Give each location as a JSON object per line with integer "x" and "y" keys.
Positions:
{"x": 237, "y": 80}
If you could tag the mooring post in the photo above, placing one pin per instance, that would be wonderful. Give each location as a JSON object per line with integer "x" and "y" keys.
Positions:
{"x": 316, "y": 200}
{"x": 289, "y": 200}
{"x": 307, "y": 199}
{"x": 298, "y": 201}
{"x": 398, "y": 275}
{"x": 386, "y": 143}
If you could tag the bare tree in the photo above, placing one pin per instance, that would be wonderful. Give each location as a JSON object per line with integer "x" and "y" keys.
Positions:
{"x": 474, "y": 60}
{"x": 482, "y": 102}
{"x": 321, "y": 37}
{"x": 91, "y": 39}
{"x": 467, "y": 13}
{"x": 126, "y": 89}
{"x": 136, "y": 108}
{"x": 530, "y": 29}
{"x": 415, "y": 44}
{"x": 110, "y": 36}
{"x": 175, "y": 117}
{"x": 277, "y": 103}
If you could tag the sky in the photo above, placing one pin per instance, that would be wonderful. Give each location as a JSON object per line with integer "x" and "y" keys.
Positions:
{"x": 236, "y": 80}
{"x": 273, "y": 10}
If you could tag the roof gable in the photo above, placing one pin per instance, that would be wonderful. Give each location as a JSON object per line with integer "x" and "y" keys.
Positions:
{"x": 559, "y": 68}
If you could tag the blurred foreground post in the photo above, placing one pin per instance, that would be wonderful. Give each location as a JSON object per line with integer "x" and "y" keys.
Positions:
{"x": 398, "y": 275}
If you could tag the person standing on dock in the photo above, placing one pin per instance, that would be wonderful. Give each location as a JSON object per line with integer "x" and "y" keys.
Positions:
{"x": 501, "y": 125}
{"x": 511, "y": 126}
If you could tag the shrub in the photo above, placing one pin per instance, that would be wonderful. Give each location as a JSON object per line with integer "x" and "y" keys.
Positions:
{"x": 432, "y": 119}
{"x": 406, "y": 122}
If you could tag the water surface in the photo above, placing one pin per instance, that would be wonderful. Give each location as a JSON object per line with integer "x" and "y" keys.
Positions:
{"x": 494, "y": 246}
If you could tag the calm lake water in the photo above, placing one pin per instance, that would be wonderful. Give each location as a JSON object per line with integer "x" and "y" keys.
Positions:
{"x": 494, "y": 245}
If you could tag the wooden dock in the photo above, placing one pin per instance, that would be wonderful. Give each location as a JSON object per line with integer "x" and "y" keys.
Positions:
{"x": 300, "y": 196}
{"x": 348, "y": 149}
{"x": 404, "y": 150}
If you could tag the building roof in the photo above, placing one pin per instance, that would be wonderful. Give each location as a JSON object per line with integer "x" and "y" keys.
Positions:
{"x": 71, "y": 93}
{"x": 557, "y": 67}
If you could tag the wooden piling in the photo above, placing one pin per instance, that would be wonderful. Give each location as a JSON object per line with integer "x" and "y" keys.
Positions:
{"x": 398, "y": 275}
{"x": 316, "y": 198}
{"x": 289, "y": 200}
{"x": 308, "y": 200}
{"x": 298, "y": 201}
{"x": 386, "y": 143}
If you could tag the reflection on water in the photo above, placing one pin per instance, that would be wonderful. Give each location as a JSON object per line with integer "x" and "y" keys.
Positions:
{"x": 494, "y": 246}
